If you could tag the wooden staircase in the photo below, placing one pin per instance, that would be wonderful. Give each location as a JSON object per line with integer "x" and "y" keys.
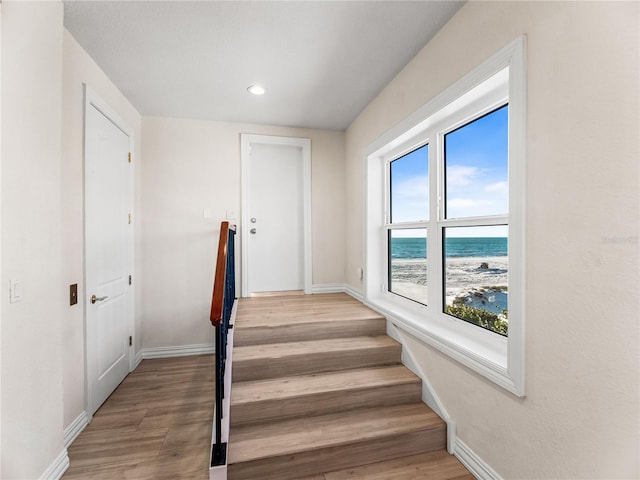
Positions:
{"x": 318, "y": 387}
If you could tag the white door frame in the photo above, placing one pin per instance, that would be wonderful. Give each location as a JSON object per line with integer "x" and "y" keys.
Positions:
{"x": 245, "y": 145}
{"x": 92, "y": 100}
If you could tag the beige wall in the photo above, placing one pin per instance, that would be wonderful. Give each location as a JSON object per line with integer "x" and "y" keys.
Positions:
{"x": 191, "y": 165}
{"x": 79, "y": 69}
{"x": 0, "y": 236}
{"x": 31, "y": 366}
{"x": 580, "y": 418}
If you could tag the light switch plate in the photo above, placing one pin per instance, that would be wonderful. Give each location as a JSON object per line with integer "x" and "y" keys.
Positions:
{"x": 73, "y": 294}
{"x": 15, "y": 291}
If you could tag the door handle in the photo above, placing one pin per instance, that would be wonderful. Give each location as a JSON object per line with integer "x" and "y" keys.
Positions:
{"x": 252, "y": 231}
{"x": 95, "y": 299}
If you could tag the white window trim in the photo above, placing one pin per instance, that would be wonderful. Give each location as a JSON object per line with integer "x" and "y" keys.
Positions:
{"x": 500, "y": 359}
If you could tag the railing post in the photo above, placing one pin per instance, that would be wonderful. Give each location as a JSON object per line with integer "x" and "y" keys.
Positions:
{"x": 223, "y": 298}
{"x": 219, "y": 452}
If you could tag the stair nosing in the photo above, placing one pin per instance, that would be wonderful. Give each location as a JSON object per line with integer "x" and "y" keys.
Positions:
{"x": 433, "y": 423}
{"x": 375, "y": 341}
{"x": 247, "y": 324}
{"x": 323, "y": 376}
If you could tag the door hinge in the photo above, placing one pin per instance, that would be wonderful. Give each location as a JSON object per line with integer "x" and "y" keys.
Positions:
{"x": 130, "y": 340}
{"x": 129, "y": 157}
{"x": 129, "y": 279}
{"x": 129, "y": 218}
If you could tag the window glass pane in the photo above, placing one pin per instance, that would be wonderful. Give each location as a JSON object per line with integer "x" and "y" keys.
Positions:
{"x": 476, "y": 160}
{"x": 408, "y": 263}
{"x": 476, "y": 276}
{"x": 410, "y": 186}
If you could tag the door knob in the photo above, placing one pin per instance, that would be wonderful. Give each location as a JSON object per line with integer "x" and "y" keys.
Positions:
{"x": 95, "y": 299}
{"x": 252, "y": 231}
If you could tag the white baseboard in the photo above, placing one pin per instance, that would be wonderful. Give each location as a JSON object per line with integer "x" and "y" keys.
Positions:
{"x": 327, "y": 288}
{"x": 57, "y": 468}
{"x": 429, "y": 395}
{"x": 336, "y": 288}
{"x": 137, "y": 360}
{"x": 478, "y": 467}
{"x": 357, "y": 294}
{"x": 76, "y": 427}
{"x": 178, "y": 351}
{"x": 474, "y": 463}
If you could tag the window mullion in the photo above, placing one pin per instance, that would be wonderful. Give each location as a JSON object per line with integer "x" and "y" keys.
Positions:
{"x": 406, "y": 225}
{"x": 434, "y": 267}
{"x": 474, "y": 221}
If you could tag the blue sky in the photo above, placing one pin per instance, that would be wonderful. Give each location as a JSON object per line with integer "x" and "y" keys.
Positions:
{"x": 476, "y": 174}
{"x": 410, "y": 187}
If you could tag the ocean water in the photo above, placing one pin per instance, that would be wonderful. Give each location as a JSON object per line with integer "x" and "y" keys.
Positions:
{"x": 408, "y": 248}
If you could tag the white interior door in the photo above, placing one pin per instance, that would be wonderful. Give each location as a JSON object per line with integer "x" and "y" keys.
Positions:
{"x": 275, "y": 215}
{"x": 108, "y": 253}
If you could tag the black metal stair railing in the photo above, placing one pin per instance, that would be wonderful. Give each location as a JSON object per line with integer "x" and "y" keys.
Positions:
{"x": 222, "y": 302}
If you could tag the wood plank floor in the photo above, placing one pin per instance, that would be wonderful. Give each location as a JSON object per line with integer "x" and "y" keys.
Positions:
{"x": 157, "y": 424}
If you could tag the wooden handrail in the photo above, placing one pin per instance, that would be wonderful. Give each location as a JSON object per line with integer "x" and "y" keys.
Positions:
{"x": 217, "y": 298}
{"x": 222, "y": 315}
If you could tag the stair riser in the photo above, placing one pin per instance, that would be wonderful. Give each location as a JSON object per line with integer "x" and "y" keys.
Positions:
{"x": 314, "y": 462}
{"x": 325, "y": 402}
{"x": 308, "y": 331}
{"x": 317, "y": 362}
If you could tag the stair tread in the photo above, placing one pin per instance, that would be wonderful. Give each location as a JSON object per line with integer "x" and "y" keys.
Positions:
{"x": 277, "y": 311}
{"x": 288, "y": 437}
{"x": 296, "y": 386}
{"x": 330, "y": 346}
{"x": 279, "y": 319}
{"x": 328, "y": 300}
{"x": 275, "y": 328}
{"x": 438, "y": 465}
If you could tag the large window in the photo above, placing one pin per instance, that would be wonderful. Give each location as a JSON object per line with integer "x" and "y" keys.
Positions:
{"x": 406, "y": 233}
{"x": 476, "y": 255}
{"x": 445, "y": 221}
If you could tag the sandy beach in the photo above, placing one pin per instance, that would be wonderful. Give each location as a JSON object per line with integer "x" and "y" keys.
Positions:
{"x": 463, "y": 275}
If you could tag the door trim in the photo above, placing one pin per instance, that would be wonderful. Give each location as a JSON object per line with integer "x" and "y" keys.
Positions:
{"x": 246, "y": 140}
{"x": 92, "y": 100}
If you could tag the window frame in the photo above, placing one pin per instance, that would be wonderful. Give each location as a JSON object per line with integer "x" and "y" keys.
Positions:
{"x": 498, "y": 358}
{"x": 389, "y": 225}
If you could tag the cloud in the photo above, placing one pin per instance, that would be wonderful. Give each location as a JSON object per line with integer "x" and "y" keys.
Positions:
{"x": 461, "y": 175}
{"x": 499, "y": 187}
{"x": 411, "y": 199}
{"x": 414, "y": 187}
{"x": 466, "y": 202}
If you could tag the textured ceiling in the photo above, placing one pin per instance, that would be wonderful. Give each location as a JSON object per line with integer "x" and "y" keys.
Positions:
{"x": 320, "y": 62}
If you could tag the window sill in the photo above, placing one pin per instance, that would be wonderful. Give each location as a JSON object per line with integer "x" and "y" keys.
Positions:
{"x": 482, "y": 351}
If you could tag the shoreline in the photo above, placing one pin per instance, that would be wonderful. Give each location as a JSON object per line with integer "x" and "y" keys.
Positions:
{"x": 464, "y": 276}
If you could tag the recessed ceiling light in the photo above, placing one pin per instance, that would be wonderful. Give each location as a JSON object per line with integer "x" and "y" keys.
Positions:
{"x": 256, "y": 90}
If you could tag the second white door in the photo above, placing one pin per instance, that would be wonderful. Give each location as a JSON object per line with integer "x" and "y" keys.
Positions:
{"x": 108, "y": 252}
{"x": 274, "y": 223}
